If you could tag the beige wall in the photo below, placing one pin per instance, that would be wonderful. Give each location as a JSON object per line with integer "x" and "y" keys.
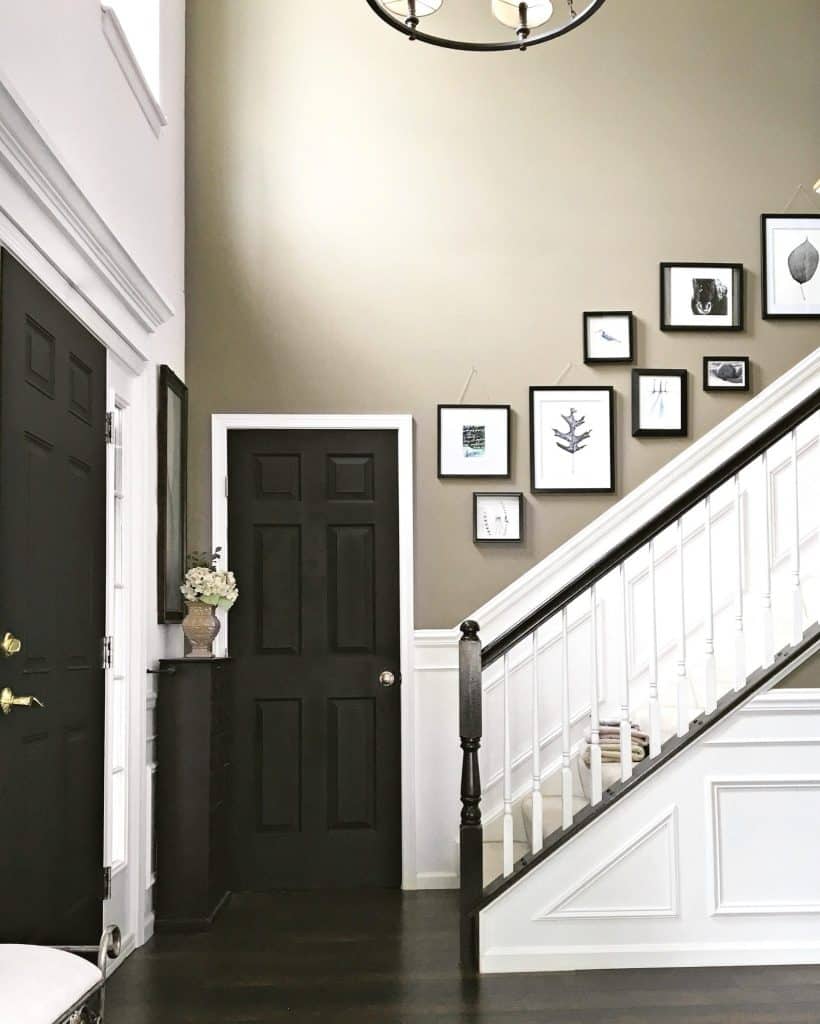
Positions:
{"x": 367, "y": 219}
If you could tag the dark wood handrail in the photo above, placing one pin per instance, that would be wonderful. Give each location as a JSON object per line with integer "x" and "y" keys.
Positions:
{"x": 613, "y": 558}
{"x": 729, "y": 702}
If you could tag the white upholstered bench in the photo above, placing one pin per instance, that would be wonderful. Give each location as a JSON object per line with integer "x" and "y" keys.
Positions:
{"x": 44, "y": 985}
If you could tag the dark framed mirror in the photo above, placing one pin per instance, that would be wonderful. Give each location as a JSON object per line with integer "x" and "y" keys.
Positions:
{"x": 172, "y": 497}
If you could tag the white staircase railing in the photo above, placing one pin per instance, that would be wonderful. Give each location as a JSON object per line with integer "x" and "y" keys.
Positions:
{"x": 648, "y": 644}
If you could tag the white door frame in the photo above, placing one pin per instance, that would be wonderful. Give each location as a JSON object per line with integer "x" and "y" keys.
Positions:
{"x": 221, "y": 423}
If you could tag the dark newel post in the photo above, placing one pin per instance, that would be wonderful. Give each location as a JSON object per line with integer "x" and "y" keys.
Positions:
{"x": 471, "y": 833}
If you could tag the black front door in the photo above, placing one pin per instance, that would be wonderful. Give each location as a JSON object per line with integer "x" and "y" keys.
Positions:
{"x": 52, "y": 597}
{"x": 313, "y": 539}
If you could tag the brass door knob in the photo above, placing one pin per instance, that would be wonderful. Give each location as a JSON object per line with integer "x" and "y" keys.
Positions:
{"x": 9, "y": 701}
{"x": 387, "y": 678}
{"x": 10, "y": 645}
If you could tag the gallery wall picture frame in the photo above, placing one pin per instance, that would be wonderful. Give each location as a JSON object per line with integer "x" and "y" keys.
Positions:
{"x": 172, "y": 494}
{"x": 474, "y": 441}
{"x": 790, "y": 266}
{"x": 609, "y": 337}
{"x": 572, "y": 439}
{"x": 660, "y": 403}
{"x": 726, "y": 373}
{"x": 702, "y": 296}
{"x": 498, "y": 517}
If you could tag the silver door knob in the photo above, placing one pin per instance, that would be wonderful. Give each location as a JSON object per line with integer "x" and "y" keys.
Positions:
{"x": 387, "y": 678}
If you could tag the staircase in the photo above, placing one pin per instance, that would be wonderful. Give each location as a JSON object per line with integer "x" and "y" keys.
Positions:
{"x": 666, "y": 639}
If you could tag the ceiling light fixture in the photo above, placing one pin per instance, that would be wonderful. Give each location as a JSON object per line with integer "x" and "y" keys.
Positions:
{"x": 532, "y": 21}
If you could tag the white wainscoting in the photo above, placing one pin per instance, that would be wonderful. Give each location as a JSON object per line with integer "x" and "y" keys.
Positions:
{"x": 437, "y": 773}
{"x": 711, "y": 861}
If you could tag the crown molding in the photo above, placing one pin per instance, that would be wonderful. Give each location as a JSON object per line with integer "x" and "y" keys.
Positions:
{"x": 33, "y": 162}
{"x": 121, "y": 48}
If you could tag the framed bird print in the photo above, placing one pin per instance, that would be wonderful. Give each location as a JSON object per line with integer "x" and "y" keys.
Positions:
{"x": 572, "y": 439}
{"x": 609, "y": 337}
{"x": 791, "y": 266}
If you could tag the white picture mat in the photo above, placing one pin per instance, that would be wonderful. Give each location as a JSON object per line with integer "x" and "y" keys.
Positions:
{"x": 590, "y": 467}
{"x": 784, "y": 293}
{"x": 614, "y": 326}
{"x": 493, "y": 461}
{"x": 660, "y": 412}
{"x": 498, "y": 517}
{"x": 717, "y": 382}
{"x": 678, "y": 293}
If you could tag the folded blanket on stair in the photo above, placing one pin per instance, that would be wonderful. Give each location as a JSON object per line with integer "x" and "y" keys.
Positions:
{"x": 611, "y": 753}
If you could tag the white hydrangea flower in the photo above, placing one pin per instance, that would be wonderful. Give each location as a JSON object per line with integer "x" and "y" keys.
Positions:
{"x": 216, "y": 587}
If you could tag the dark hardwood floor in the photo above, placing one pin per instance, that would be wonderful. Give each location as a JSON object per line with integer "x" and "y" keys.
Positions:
{"x": 392, "y": 957}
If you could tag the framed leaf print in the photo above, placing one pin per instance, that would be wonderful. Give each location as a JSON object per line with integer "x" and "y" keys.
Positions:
{"x": 572, "y": 439}
{"x": 790, "y": 264}
{"x": 172, "y": 470}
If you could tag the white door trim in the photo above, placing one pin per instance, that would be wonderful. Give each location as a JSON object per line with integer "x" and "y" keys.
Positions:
{"x": 221, "y": 423}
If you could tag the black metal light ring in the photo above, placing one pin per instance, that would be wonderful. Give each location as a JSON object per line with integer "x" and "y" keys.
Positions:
{"x": 456, "y": 44}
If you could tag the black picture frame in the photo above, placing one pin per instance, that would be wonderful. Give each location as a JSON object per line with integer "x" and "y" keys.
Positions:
{"x": 534, "y": 390}
{"x": 516, "y": 496}
{"x": 591, "y": 360}
{"x": 746, "y": 386}
{"x": 738, "y": 296}
{"x": 766, "y": 312}
{"x": 172, "y": 494}
{"x": 441, "y": 409}
{"x": 637, "y": 429}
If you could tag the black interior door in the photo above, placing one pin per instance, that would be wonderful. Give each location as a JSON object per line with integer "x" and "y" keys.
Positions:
{"x": 52, "y": 596}
{"x": 313, "y": 539}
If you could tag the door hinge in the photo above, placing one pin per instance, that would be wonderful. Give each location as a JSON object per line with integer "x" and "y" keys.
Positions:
{"x": 109, "y": 428}
{"x": 108, "y": 652}
{"x": 106, "y": 883}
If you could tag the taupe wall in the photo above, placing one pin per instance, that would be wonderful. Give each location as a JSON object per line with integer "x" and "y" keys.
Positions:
{"x": 367, "y": 219}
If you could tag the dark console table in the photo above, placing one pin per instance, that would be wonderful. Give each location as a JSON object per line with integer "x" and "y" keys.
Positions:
{"x": 193, "y": 731}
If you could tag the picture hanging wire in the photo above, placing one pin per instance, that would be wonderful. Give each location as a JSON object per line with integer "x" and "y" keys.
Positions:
{"x": 797, "y": 191}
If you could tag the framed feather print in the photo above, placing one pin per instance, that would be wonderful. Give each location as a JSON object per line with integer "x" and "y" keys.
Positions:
{"x": 572, "y": 439}
{"x": 659, "y": 403}
{"x": 790, "y": 262}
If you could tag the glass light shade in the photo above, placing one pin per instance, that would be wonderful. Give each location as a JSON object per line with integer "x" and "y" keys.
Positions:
{"x": 507, "y": 12}
{"x": 401, "y": 8}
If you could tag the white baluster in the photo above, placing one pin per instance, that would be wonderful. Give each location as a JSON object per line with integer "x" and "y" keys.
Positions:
{"x": 537, "y": 799}
{"x": 767, "y": 630}
{"x": 595, "y": 726}
{"x": 626, "y": 725}
{"x": 740, "y": 640}
{"x": 797, "y": 600}
{"x": 508, "y": 817}
{"x": 654, "y": 704}
{"x": 566, "y": 771}
{"x": 683, "y": 686}
{"x": 709, "y": 670}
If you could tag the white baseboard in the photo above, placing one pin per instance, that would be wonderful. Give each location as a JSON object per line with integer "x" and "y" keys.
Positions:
{"x": 437, "y": 880}
{"x": 596, "y": 958}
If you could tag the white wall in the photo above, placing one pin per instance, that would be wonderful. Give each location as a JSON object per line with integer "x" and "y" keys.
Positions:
{"x": 92, "y": 202}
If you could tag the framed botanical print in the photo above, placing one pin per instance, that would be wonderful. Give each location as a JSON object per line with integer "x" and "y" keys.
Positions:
{"x": 701, "y": 296}
{"x": 726, "y": 373}
{"x": 498, "y": 518}
{"x": 172, "y": 467}
{"x": 572, "y": 439}
{"x": 473, "y": 440}
{"x": 659, "y": 403}
{"x": 790, "y": 264}
{"x": 609, "y": 337}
